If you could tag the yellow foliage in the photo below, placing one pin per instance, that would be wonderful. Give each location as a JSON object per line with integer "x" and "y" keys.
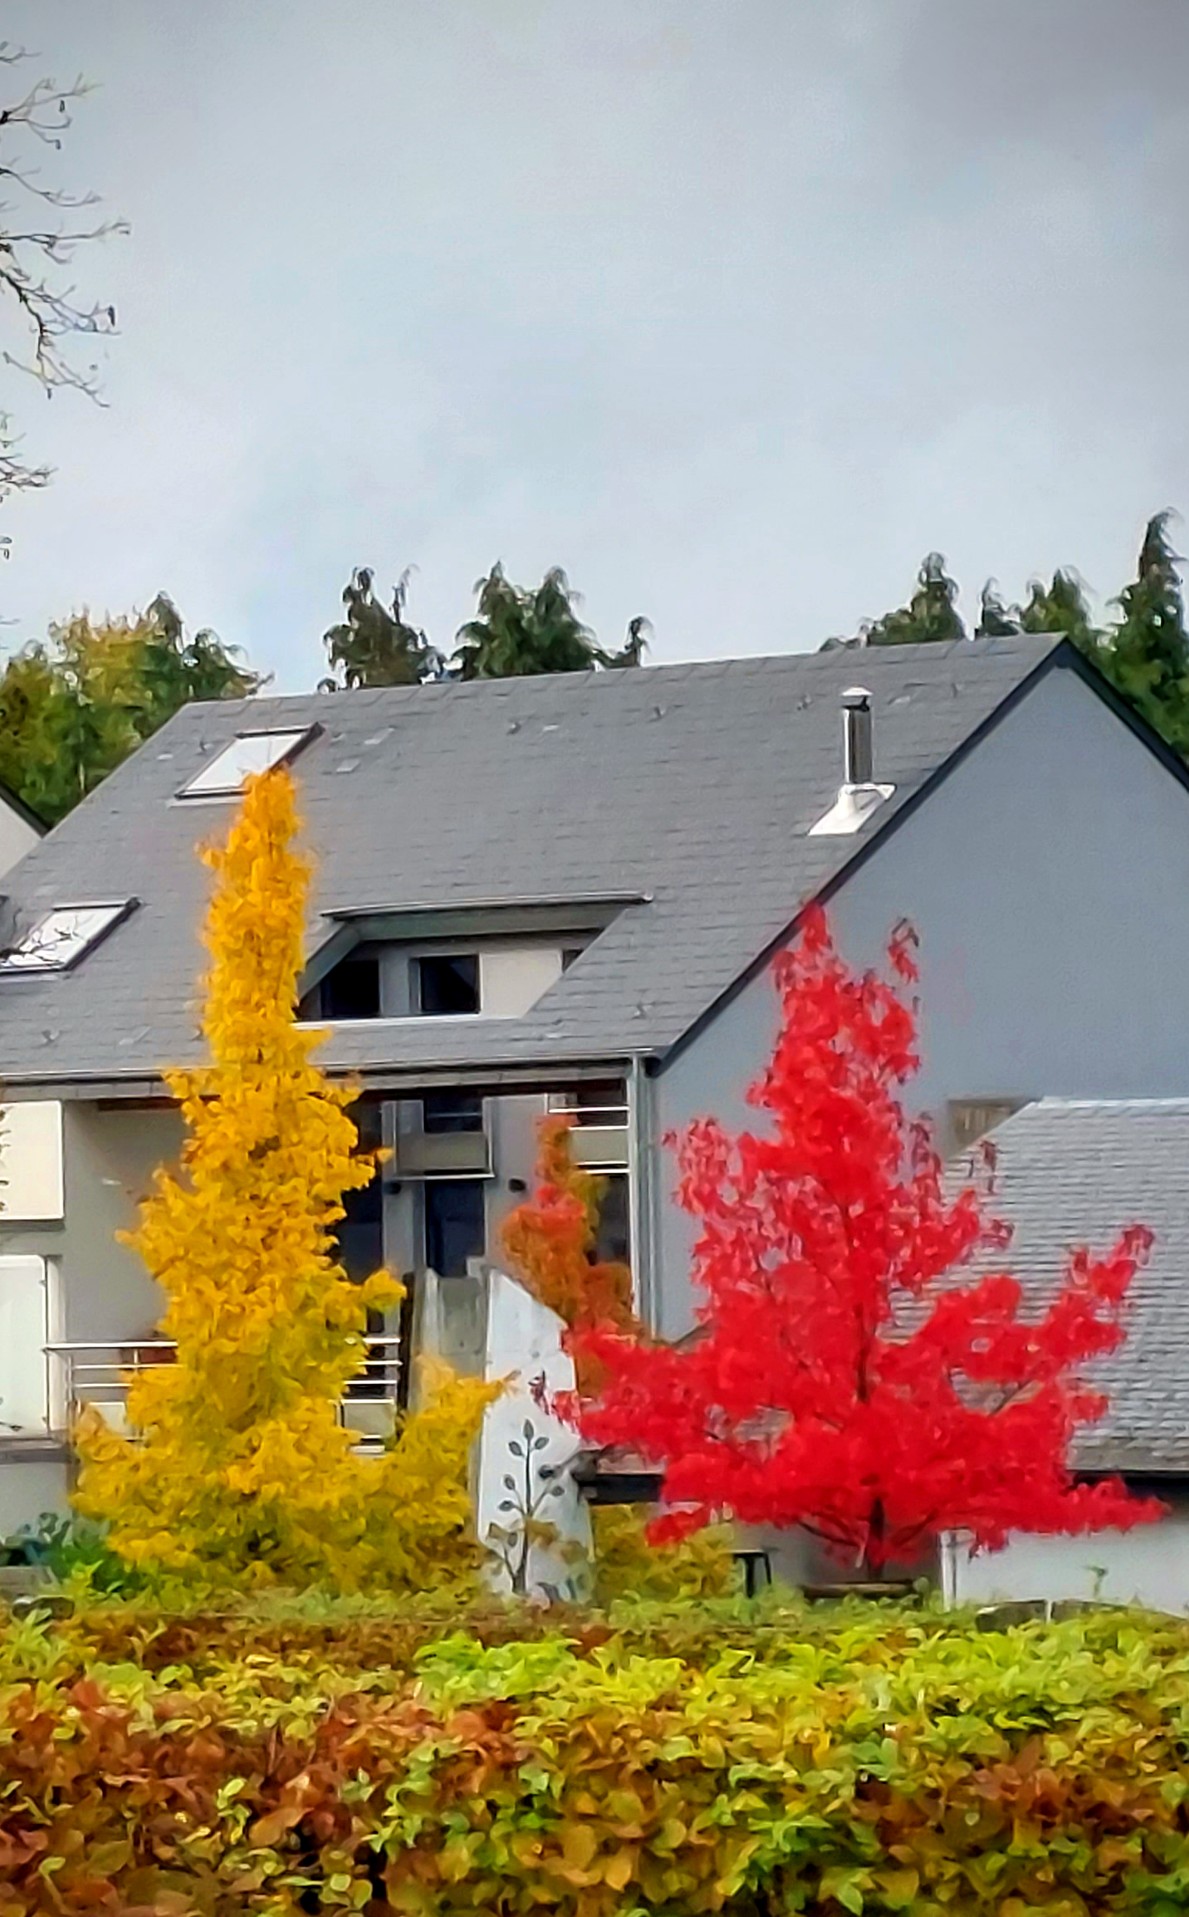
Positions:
{"x": 627, "y": 1565}
{"x": 241, "y": 1470}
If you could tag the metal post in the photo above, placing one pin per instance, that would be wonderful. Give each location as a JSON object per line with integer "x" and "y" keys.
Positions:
{"x": 947, "y": 1550}
{"x": 640, "y": 1191}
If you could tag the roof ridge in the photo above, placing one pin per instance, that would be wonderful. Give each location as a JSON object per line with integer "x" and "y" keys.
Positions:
{"x": 1172, "y": 1102}
{"x": 883, "y": 658}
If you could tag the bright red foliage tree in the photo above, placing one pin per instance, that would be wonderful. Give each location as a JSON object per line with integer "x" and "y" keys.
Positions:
{"x": 837, "y": 1384}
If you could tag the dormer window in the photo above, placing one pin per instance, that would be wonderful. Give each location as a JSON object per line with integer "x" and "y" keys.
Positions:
{"x": 60, "y": 938}
{"x": 250, "y": 752}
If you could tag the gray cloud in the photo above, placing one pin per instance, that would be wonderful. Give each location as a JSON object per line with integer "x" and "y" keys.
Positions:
{"x": 733, "y": 311}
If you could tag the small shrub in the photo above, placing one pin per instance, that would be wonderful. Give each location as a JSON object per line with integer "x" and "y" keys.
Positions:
{"x": 628, "y": 1565}
{"x": 72, "y": 1552}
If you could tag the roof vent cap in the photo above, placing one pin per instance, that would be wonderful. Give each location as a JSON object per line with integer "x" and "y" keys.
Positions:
{"x": 860, "y": 794}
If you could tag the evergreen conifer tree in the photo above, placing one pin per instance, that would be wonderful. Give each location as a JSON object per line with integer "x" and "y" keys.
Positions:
{"x": 374, "y": 644}
{"x": 1147, "y": 656}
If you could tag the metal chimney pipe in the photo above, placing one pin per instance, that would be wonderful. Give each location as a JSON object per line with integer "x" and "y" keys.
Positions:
{"x": 858, "y": 752}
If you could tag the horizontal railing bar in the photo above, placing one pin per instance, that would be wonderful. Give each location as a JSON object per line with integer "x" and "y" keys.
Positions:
{"x": 381, "y": 1341}
{"x": 112, "y": 1344}
{"x": 100, "y": 1372}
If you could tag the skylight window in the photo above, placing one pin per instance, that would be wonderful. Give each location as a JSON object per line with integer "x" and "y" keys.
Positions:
{"x": 250, "y": 752}
{"x": 62, "y": 937}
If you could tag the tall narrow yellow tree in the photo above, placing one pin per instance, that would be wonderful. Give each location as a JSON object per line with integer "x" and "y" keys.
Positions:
{"x": 237, "y": 1468}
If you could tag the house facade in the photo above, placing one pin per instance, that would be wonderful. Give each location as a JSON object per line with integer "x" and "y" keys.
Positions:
{"x": 565, "y": 893}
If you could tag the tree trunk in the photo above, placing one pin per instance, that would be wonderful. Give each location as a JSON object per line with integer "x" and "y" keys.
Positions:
{"x": 872, "y": 1563}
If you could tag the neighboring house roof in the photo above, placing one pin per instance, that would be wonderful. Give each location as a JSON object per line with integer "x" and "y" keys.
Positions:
{"x": 690, "y": 787}
{"x": 1076, "y": 1172}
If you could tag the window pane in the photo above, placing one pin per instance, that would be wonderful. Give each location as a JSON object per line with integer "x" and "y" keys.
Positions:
{"x": 613, "y": 1240}
{"x": 360, "y": 1233}
{"x": 448, "y": 985}
{"x": 352, "y": 989}
{"x": 601, "y": 1101}
{"x": 252, "y": 752}
{"x": 455, "y": 1225}
{"x": 451, "y": 1112}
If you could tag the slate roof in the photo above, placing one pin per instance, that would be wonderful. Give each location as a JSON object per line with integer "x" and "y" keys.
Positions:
{"x": 1076, "y": 1172}
{"x": 694, "y": 785}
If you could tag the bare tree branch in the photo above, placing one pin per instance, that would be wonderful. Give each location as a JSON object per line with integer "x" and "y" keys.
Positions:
{"x": 35, "y": 255}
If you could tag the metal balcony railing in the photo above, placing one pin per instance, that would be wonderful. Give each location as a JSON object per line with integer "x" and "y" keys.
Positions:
{"x": 98, "y": 1373}
{"x": 612, "y": 1113}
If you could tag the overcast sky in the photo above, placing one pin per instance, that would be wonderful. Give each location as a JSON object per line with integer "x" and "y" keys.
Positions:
{"x": 733, "y": 308}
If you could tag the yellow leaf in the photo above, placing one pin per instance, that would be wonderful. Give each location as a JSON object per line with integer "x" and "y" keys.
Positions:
{"x": 579, "y": 1845}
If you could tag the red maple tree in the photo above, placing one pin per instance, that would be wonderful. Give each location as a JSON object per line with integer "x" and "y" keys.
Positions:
{"x": 841, "y": 1380}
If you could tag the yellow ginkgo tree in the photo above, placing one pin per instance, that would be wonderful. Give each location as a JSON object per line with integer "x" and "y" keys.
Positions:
{"x": 236, "y": 1468}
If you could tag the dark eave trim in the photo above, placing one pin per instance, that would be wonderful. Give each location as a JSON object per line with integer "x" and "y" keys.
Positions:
{"x": 1062, "y": 655}
{"x": 1068, "y": 656}
{"x": 393, "y": 1081}
{"x": 528, "y": 902}
{"x": 1144, "y": 1480}
{"x": 16, "y": 804}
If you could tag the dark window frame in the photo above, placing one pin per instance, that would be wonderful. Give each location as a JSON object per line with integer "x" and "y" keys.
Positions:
{"x": 454, "y": 1110}
{"x": 601, "y": 1102}
{"x": 435, "y": 1226}
{"x": 613, "y": 1234}
{"x": 353, "y": 966}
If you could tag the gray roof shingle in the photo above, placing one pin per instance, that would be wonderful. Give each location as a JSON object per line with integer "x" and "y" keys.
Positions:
{"x": 1076, "y": 1172}
{"x": 695, "y": 785}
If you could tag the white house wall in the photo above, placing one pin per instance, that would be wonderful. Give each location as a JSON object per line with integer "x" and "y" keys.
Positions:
{"x": 1148, "y": 1565}
{"x": 101, "y": 1291}
{"x": 17, "y": 837}
{"x": 512, "y": 978}
{"x": 108, "y": 1161}
{"x": 1048, "y": 878}
{"x": 29, "y": 1490}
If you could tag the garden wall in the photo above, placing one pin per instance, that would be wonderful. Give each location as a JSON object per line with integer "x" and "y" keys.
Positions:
{"x": 1149, "y": 1566}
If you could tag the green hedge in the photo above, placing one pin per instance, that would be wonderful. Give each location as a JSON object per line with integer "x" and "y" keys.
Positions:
{"x": 704, "y": 1758}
